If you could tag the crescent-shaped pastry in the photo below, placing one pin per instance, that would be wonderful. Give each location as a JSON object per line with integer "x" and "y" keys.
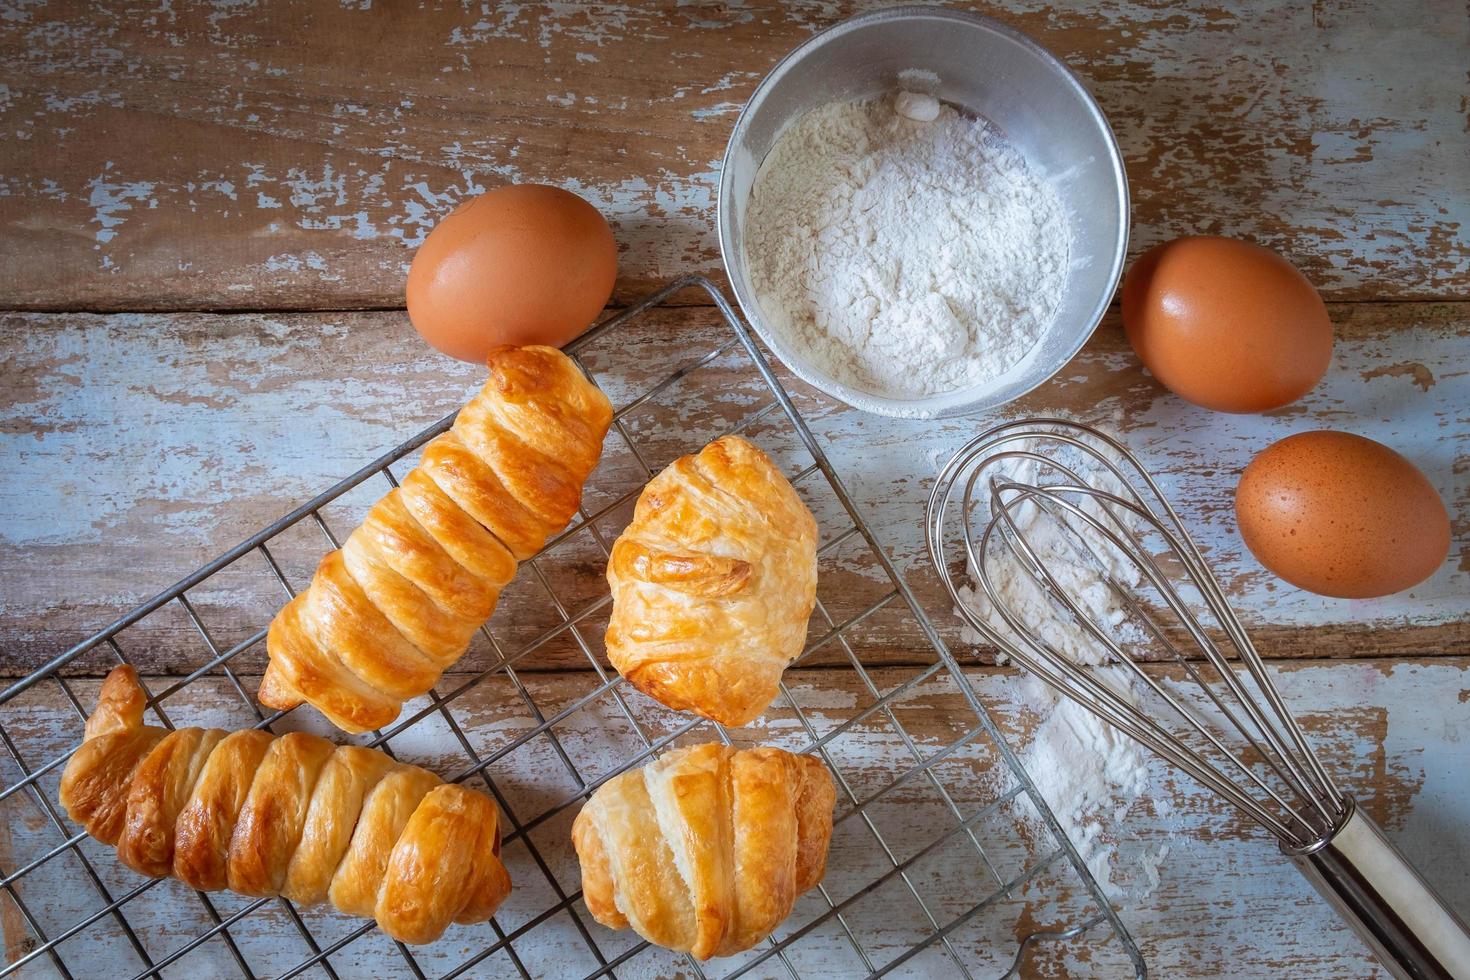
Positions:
{"x": 293, "y": 816}
{"x": 706, "y": 849}
{"x": 713, "y": 583}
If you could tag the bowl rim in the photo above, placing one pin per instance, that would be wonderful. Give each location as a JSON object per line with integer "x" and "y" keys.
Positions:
{"x": 929, "y": 406}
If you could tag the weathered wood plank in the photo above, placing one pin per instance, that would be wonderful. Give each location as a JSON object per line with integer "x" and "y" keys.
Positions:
{"x": 263, "y": 156}
{"x": 138, "y": 447}
{"x": 290, "y": 156}
{"x": 1380, "y": 726}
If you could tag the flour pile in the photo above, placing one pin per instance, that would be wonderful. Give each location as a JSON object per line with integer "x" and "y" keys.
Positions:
{"x": 1087, "y": 771}
{"x": 907, "y": 248}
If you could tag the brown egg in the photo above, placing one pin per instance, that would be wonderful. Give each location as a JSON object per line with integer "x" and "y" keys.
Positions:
{"x": 1341, "y": 515}
{"x": 523, "y": 264}
{"x": 1225, "y": 324}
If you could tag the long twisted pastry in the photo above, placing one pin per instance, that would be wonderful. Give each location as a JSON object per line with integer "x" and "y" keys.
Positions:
{"x": 293, "y": 816}
{"x": 399, "y": 603}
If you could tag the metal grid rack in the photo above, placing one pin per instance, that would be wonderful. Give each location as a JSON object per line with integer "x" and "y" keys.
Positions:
{"x": 944, "y": 894}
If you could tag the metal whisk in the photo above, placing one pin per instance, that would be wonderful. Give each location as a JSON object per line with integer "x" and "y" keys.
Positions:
{"x": 1056, "y": 516}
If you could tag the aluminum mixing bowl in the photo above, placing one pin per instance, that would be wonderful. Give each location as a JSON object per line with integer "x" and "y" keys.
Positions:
{"x": 986, "y": 69}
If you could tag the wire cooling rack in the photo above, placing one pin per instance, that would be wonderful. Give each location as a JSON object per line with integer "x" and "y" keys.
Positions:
{"x": 944, "y": 861}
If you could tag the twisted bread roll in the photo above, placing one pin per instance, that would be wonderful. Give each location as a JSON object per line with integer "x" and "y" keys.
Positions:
{"x": 713, "y": 583}
{"x": 705, "y": 850}
{"x": 293, "y": 816}
{"x": 399, "y": 603}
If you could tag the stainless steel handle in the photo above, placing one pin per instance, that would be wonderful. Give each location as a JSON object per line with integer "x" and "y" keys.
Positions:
{"x": 1388, "y": 903}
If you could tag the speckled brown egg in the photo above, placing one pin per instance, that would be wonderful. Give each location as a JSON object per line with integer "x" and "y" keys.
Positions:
{"x": 523, "y": 264}
{"x": 1341, "y": 515}
{"x": 1225, "y": 324}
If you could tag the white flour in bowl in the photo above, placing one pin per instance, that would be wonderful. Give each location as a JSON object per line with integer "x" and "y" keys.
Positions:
{"x": 908, "y": 255}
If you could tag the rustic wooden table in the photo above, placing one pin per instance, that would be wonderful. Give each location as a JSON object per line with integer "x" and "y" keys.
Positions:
{"x": 208, "y": 212}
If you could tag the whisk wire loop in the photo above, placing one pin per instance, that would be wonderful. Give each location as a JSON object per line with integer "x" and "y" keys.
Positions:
{"x": 1077, "y": 674}
{"x": 1121, "y": 538}
{"x": 1101, "y": 507}
{"x": 1085, "y": 538}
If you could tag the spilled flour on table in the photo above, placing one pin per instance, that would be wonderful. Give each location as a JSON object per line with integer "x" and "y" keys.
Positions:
{"x": 1090, "y": 773}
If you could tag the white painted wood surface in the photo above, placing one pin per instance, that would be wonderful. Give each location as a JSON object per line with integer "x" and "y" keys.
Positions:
{"x": 1226, "y": 903}
{"x": 224, "y": 157}
{"x": 1390, "y": 728}
{"x": 302, "y": 171}
{"x": 168, "y": 452}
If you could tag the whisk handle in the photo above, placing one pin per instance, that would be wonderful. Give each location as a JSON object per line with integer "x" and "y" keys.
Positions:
{"x": 1388, "y": 903}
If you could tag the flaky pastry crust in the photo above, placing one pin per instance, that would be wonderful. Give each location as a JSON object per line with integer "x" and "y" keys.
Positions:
{"x": 294, "y": 816}
{"x": 705, "y": 850}
{"x": 397, "y": 605}
{"x": 713, "y": 583}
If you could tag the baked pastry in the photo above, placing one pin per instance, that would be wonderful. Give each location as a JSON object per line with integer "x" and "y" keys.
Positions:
{"x": 705, "y": 850}
{"x": 713, "y": 583}
{"x": 293, "y": 816}
{"x": 398, "y": 604}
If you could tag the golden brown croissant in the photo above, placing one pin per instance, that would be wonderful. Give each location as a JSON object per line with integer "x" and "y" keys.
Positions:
{"x": 713, "y": 583}
{"x": 293, "y": 816}
{"x": 705, "y": 850}
{"x": 399, "y": 603}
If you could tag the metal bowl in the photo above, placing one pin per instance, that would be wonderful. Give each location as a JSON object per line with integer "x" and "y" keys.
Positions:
{"x": 986, "y": 69}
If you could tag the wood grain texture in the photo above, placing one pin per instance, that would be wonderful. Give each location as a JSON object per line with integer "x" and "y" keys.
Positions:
{"x": 133, "y": 460}
{"x": 1376, "y": 724}
{"x": 261, "y": 155}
